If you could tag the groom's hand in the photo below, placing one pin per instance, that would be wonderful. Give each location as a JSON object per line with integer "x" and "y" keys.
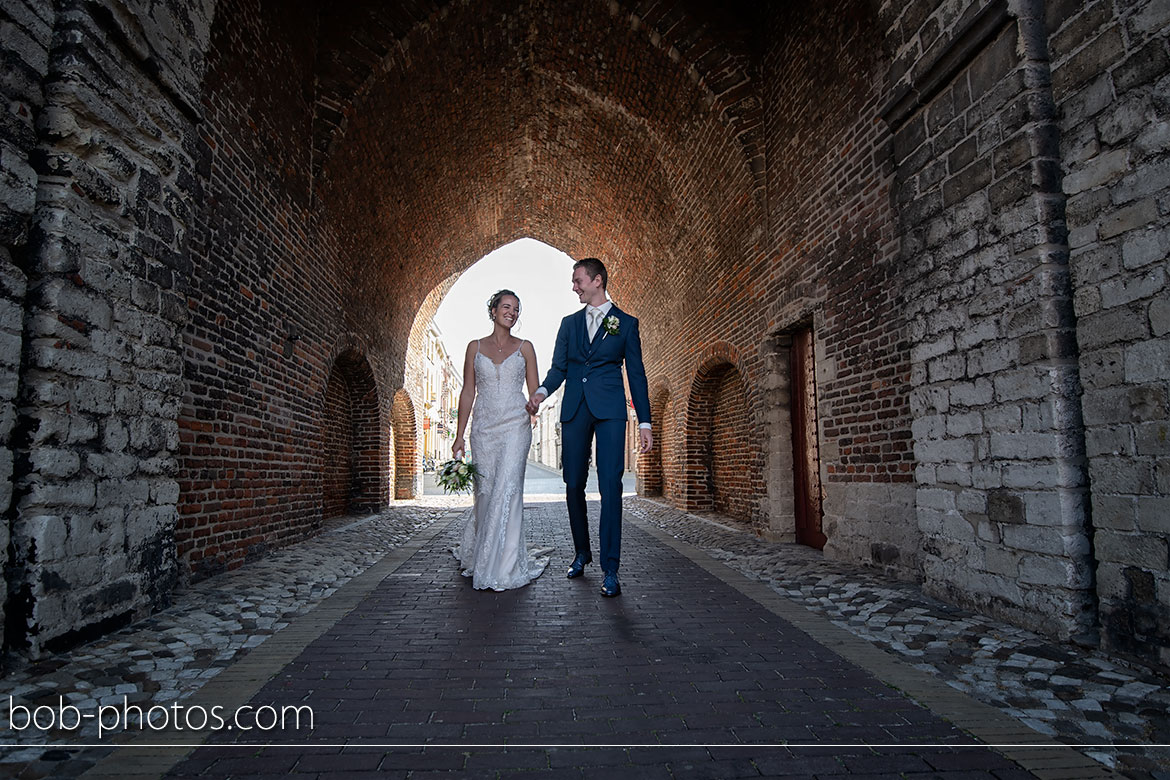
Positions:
{"x": 647, "y": 439}
{"x": 534, "y": 403}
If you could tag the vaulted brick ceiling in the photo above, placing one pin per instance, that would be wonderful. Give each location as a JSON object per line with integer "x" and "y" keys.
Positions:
{"x": 358, "y": 41}
{"x": 441, "y": 133}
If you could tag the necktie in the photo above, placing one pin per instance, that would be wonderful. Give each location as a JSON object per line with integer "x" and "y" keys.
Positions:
{"x": 594, "y": 321}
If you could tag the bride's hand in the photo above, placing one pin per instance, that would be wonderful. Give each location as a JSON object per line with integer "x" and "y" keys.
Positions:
{"x": 457, "y": 448}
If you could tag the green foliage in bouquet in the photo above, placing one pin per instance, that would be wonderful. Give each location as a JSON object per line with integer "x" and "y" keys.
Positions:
{"x": 456, "y": 476}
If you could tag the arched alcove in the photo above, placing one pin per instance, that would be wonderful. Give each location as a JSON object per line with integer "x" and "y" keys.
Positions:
{"x": 407, "y": 468}
{"x": 352, "y": 440}
{"x": 650, "y": 473}
{"x": 722, "y": 472}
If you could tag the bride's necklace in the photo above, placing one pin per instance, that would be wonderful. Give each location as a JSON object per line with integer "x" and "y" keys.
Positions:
{"x": 499, "y": 348}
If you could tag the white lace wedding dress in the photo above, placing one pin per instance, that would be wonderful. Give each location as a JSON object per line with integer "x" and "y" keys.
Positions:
{"x": 492, "y": 550}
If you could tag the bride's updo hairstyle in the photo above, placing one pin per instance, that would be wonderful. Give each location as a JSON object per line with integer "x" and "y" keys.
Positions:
{"x": 494, "y": 301}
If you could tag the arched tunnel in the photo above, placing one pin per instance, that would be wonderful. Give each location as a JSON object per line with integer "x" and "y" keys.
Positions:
{"x": 897, "y": 268}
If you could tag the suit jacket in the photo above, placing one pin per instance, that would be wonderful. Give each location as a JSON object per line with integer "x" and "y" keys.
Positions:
{"x": 592, "y": 371}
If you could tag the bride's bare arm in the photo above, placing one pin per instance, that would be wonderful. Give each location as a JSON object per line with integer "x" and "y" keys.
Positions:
{"x": 531, "y": 374}
{"x": 466, "y": 397}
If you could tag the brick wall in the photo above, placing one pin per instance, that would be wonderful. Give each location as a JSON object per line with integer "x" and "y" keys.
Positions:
{"x": 723, "y": 470}
{"x": 736, "y": 473}
{"x": 831, "y": 266}
{"x": 265, "y": 301}
{"x": 355, "y": 443}
{"x": 650, "y": 472}
{"x": 525, "y": 152}
{"x": 407, "y": 474}
{"x": 337, "y": 446}
{"x": 1109, "y": 76}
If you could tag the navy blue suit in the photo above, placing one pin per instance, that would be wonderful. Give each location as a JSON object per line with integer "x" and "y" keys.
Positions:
{"x": 594, "y": 403}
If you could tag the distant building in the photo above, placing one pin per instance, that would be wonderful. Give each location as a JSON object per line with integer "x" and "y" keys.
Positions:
{"x": 442, "y": 384}
{"x": 546, "y": 436}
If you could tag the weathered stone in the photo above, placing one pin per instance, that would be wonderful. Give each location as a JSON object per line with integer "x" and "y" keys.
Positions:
{"x": 1153, "y": 515}
{"x": 1118, "y": 513}
{"x": 1034, "y": 476}
{"x": 1147, "y": 361}
{"x": 1153, "y": 139}
{"x": 1020, "y": 384}
{"x": 1050, "y": 572}
{"x": 1101, "y": 170}
{"x": 1118, "y": 547}
{"x": 1160, "y": 315}
{"x": 1089, "y": 60}
{"x": 944, "y": 451}
{"x": 1123, "y": 476}
{"x": 1022, "y": 446}
{"x": 1122, "y": 323}
{"x": 1005, "y": 507}
{"x": 1129, "y": 218}
{"x": 1116, "y": 440}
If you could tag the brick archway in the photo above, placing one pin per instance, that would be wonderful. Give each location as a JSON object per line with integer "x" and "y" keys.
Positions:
{"x": 353, "y": 441}
{"x": 407, "y": 469}
{"x": 723, "y": 464}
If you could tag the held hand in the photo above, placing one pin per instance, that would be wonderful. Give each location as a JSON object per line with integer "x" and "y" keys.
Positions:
{"x": 534, "y": 403}
{"x": 647, "y": 439}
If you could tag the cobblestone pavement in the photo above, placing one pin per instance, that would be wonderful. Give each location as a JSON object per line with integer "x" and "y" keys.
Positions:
{"x": 1067, "y": 692}
{"x": 209, "y": 626}
{"x": 1076, "y": 695}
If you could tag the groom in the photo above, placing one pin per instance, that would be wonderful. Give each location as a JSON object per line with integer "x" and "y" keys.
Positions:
{"x": 591, "y": 346}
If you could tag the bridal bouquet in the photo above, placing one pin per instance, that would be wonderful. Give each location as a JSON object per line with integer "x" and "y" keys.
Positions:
{"x": 455, "y": 476}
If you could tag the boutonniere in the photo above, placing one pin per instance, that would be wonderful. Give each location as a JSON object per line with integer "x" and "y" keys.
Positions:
{"x": 612, "y": 325}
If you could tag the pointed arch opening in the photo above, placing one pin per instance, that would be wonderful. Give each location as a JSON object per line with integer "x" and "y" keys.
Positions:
{"x": 407, "y": 464}
{"x": 651, "y": 481}
{"x": 722, "y": 465}
{"x": 352, "y": 440}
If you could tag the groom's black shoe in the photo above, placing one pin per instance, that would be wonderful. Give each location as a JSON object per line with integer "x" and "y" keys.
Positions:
{"x": 611, "y": 586}
{"x": 577, "y": 568}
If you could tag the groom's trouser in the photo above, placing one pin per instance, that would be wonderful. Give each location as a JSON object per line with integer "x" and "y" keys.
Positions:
{"x": 577, "y": 436}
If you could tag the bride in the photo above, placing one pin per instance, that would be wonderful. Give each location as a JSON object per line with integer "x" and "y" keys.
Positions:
{"x": 492, "y": 550}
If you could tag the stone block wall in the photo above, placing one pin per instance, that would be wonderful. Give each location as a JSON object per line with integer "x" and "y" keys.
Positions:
{"x": 95, "y": 491}
{"x": 1111, "y": 80}
{"x": 1001, "y": 499}
{"x": 25, "y": 36}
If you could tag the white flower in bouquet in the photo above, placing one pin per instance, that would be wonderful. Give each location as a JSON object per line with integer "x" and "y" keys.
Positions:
{"x": 456, "y": 475}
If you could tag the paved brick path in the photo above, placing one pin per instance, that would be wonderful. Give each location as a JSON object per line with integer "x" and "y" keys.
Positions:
{"x": 681, "y": 659}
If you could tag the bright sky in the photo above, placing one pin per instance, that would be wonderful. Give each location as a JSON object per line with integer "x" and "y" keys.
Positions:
{"x": 542, "y": 278}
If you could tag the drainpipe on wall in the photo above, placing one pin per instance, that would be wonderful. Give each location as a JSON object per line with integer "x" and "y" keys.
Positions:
{"x": 1059, "y": 341}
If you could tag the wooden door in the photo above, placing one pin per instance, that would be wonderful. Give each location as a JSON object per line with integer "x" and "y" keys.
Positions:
{"x": 806, "y": 455}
